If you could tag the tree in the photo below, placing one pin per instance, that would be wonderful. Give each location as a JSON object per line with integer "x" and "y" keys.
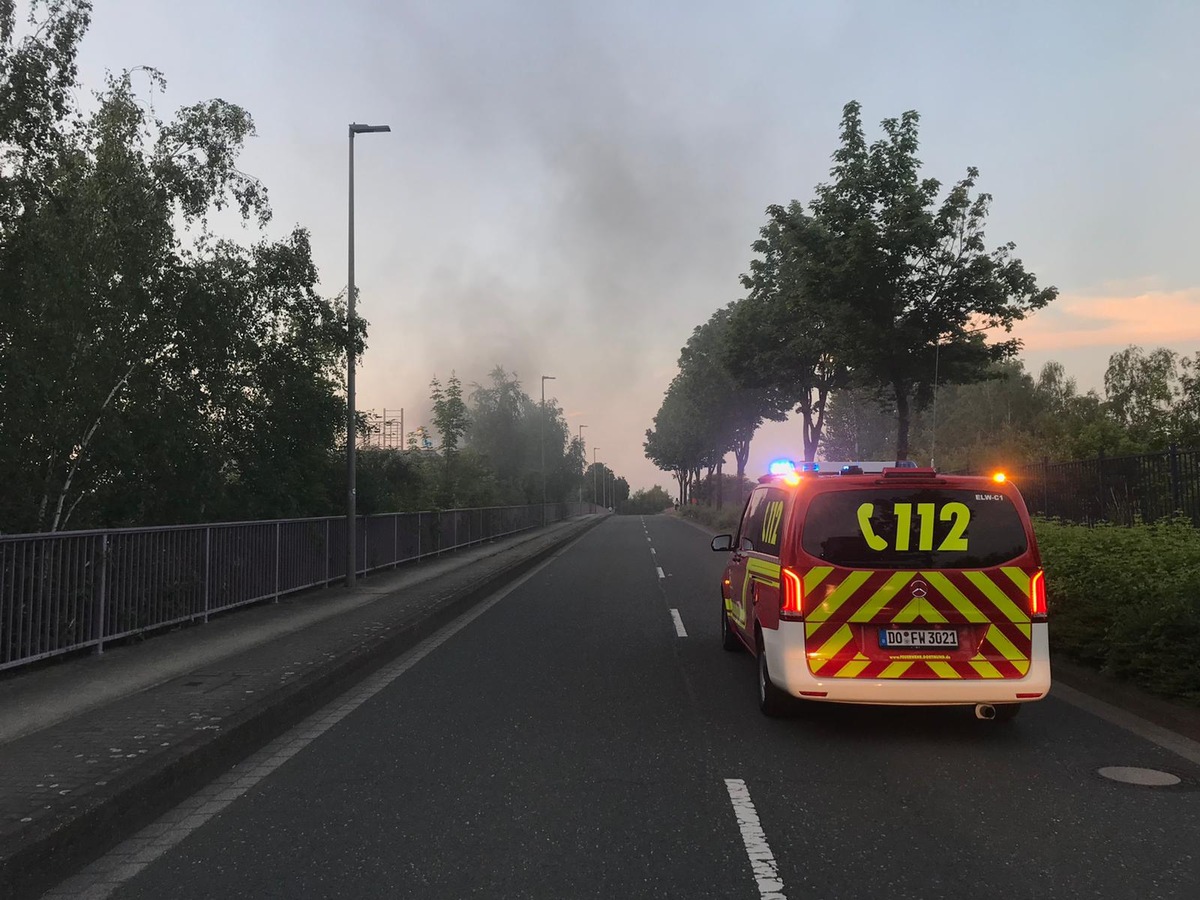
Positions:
{"x": 707, "y": 411}
{"x": 906, "y": 284}
{"x": 730, "y": 409}
{"x": 450, "y": 416}
{"x": 860, "y": 424}
{"x": 677, "y": 443}
{"x": 781, "y": 343}
{"x": 1141, "y": 390}
{"x": 144, "y": 380}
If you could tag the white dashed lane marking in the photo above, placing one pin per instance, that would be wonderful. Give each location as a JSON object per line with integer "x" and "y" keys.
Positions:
{"x": 762, "y": 860}
{"x": 679, "y": 629}
{"x": 661, "y": 573}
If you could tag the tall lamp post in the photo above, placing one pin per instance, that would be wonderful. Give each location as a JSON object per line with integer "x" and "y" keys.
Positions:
{"x": 581, "y": 450}
{"x": 351, "y": 554}
{"x": 594, "y": 449}
{"x": 542, "y": 443}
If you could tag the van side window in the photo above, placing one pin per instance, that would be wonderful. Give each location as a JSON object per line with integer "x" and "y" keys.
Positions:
{"x": 762, "y": 524}
{"x": 751, "y": 521}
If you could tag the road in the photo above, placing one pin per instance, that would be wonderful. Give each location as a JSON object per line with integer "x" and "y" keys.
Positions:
{"x": 569, "y": 741}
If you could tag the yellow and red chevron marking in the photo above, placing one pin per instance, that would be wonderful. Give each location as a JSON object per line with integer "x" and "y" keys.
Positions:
{"x": 989, "y": 608}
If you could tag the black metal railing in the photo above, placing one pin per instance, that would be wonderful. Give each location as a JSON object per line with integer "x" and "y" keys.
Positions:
{"x": 1120, "y": 489}
{"x": 66, "y": 591}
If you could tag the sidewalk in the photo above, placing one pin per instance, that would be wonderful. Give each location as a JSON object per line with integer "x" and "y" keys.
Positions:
{"x": 95, "y": 748}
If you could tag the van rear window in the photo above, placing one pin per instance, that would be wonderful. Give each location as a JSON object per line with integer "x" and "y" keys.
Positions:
{"x": 902, "y": 528}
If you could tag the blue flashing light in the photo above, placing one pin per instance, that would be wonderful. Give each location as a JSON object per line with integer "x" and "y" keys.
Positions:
{"x": 810, "y": 467}
{"x": 781, "y": 467}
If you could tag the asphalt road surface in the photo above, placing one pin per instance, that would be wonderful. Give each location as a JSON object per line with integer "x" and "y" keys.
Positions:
{"x": 578, "y": 738}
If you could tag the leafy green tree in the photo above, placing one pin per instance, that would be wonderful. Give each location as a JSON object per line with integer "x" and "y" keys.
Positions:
{"x": 859, "y": 424}
{"x": 677, "y": 441}
{"x": 729, "y": 410}
{"x": 144, "y": 380}
{"x": 450, "y": 416}
{"x": 781, "y": 342}
{"x": 905, "y": 283}
{"x": 1142, "y": 389}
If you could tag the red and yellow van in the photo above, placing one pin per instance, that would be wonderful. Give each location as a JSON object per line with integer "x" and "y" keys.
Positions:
{"x": 899, "y": 586}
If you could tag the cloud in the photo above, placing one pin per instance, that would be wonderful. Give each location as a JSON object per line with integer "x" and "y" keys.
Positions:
{"x": 1106, "y": 319}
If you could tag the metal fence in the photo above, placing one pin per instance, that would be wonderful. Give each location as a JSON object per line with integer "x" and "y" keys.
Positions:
{"x": 66, "y": 591}
{"x": 1120, "y": 489}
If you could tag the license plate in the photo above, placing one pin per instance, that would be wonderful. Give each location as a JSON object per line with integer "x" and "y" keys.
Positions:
{"x": 919, "y": 638}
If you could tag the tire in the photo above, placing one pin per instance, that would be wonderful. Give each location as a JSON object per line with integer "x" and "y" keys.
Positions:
{"x": 771, "y": 700}
{"x": 729, "y": 640}
{"x": 1006, "y": 712}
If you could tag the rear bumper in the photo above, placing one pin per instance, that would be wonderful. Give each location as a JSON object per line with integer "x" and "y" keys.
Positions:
{"x": 789, "y": 670}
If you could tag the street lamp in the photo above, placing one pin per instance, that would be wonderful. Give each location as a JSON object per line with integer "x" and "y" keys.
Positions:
{"x": 351, "y": 555}
{"x": 542, "y": 444}
{"x": 581, "y": 450}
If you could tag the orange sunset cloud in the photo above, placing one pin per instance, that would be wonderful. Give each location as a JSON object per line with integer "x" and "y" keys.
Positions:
{"x": 1148, "y": 318}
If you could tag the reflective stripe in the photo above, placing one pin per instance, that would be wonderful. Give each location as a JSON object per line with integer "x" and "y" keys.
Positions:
{"x": 997, "y": 639}
{"x": 954, "y": 596}
{"x": 840, "y": 639}
{"x": 852, "y": 668}
{"x": 943, "y": 669}
{"x": 882, "y": 597}
{"x": 896, "y": 669}
{"x": 840, "y": 595}
{"x": 767, "y": 571}
{"x": 1019, "y": 577}
{"x": 910, "y": 612}
{"x": 815, "y": 576}
{"x": 985, "y": 668}
{"x": 989, "y": 589}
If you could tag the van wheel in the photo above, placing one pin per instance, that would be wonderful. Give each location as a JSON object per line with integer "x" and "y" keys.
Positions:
{"x": 1006, "y": 712}
{"x": 728, "y": 639}
{"x": 771, "y": 700}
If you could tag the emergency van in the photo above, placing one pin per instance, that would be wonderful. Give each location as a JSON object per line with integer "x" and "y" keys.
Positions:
{"x": 883, "y": 584}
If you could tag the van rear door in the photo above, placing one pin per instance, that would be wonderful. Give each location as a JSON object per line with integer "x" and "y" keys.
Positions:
{"x": 917, "y": 581}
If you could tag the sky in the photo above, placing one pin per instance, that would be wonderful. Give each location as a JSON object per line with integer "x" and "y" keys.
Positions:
{"x": 569, "y": 188}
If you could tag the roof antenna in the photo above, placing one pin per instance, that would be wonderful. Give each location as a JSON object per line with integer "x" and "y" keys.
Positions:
{"x": 933, "y": 442}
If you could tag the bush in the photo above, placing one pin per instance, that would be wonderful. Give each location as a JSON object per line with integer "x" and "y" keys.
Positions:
{"x": 1126, "y": 600}
{"x": 646, "y": 503}
{"x": 721, "y": 520}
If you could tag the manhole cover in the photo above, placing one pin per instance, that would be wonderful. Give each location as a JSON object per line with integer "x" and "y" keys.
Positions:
{"x": 1145, "y": 777}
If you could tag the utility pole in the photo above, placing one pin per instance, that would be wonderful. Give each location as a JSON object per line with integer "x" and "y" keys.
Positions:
{"x": 594, "y": 449}
{"x": 542, "y": 443}
{"x": 351, "y": 528}
{"x": 584, "y": 457}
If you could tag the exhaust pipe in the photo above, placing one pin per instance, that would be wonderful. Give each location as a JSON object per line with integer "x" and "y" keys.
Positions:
{"x": 985, "y": 711}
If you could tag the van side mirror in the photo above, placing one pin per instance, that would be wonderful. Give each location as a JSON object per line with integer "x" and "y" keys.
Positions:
{"x": 723, "y": 542}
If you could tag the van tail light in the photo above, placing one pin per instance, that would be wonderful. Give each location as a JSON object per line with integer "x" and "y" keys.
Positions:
{"x": 791, "y": 604}
{"x": 1037, "y": 595}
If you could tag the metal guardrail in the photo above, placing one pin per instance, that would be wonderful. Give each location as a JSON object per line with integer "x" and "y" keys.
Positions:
{"x": 66, "y": 591}
{"x": 1119, "y": 489}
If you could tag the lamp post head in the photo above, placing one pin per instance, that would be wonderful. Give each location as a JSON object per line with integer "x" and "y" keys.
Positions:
{"x": 355, "y": 128}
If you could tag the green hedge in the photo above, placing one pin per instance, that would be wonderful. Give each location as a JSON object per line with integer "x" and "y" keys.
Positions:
{"x": 1126, "y": 600}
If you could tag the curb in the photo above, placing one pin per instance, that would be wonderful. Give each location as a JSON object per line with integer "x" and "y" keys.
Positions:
{"x": 48, "y": 854}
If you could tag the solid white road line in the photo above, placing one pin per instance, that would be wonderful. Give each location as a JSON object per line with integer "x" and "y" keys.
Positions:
{"x": 762, "y": 860}
{"x": 1155, "y": 734}
{"x": 661, "y": 573}
{"x": 106, "y": 875}
{"x": 679, "y": 629}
